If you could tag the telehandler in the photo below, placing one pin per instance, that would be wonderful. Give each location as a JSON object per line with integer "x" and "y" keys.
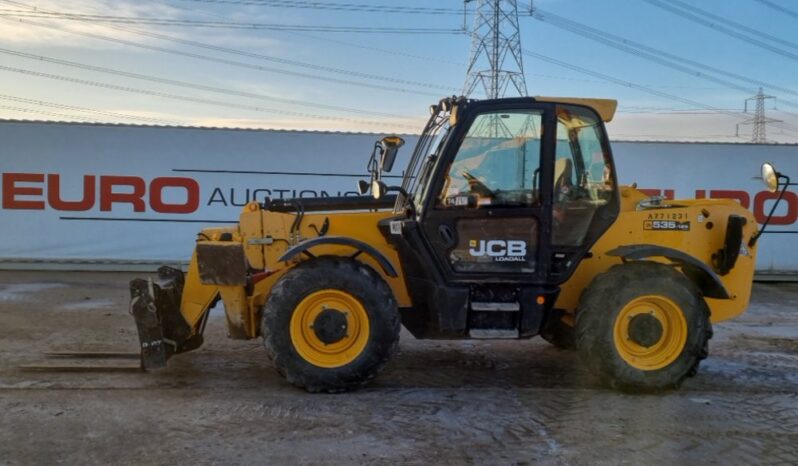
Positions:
{"x": 509, "y": 223}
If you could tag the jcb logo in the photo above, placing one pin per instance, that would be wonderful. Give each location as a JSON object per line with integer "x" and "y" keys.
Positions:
{"x": 497, "y": 248}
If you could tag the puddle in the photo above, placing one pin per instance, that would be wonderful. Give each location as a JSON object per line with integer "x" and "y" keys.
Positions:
{"x": 771, "y": 331}
{"x": 20, "y": 291}
{"x": 89, "y": 305}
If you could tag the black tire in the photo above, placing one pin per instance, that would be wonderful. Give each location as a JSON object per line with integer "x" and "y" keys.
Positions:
{"x": 604, "y": 300}
{"x": 557, "y": 332}
{"x": 331, "y": 273}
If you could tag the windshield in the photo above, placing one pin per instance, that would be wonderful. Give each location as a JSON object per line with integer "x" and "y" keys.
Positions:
{"x": 497, "y": 163}
{"x": 419, "y": 169}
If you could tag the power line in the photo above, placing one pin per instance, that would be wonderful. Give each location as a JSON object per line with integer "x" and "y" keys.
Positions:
{"x": 778, "y": 7}
{"x": 671, "y": 138}
{"x": 183, "y": 98}
{"x": 284, "y": 61}
{"x": 650, "y": 53}
{"x": 228, "y": 62}
{"x": 607, "y": 39}
{"x": 629, "y": 84}
{"x": 697, "y": 18}
{"x": 261, "y": 56}
{"x": 44, "y": 112}
{"x": 420, "y": 57}
{"x": 328, "y": 40}
{"x": 348, "y": 7}
{"x": 669, "y": 110}
{"x": 331, "y": 40}
{"x": 308, "y": 4}
{"x": 658, "y": 56}
{"x": 86, "y": 110}
{"x": 225, "y": 61}
{"x": 624, "y": 83}
{"x": 734, "y": 24}
{"x": 625, "y": 44}
{"x": 190, "y": 85}
{"x": 223, "y": 24}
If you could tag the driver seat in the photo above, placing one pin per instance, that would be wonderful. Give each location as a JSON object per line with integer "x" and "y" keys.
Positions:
{"x": 563, "y": 173}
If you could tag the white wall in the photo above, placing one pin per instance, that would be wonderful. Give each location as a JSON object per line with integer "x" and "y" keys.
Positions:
{"x": 283, "y": 164}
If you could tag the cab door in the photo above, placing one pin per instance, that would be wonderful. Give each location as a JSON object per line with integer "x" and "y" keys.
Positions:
{"x": 486, "y": 217}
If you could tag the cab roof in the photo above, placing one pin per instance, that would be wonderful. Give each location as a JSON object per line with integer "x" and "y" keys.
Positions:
{"x": 604, "y": 107}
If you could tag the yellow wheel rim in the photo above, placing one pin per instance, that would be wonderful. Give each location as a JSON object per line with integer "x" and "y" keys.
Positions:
{"x": 664, "y": 347}
{"x": 307, "y": 341}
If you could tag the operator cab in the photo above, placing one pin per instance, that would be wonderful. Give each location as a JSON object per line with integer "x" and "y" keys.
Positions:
{"x": 500, "y": 202}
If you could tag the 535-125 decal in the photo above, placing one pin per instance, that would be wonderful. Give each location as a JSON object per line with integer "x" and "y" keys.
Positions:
{"x": 666, "y": 225}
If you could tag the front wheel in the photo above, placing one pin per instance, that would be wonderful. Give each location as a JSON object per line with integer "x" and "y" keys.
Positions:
{"x": 642, "y": 326}
{"x": 330, "y": 325}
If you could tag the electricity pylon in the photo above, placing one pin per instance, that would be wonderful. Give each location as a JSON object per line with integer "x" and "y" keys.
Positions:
{"x": 760, "y": 121}
{"x": 495, "y": 62}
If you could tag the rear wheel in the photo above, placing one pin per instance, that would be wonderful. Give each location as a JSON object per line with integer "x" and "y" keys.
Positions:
{"x": 330, "y": 324}
{"x": 642, "y": 326}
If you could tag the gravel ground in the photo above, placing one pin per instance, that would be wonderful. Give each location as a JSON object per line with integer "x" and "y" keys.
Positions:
{"x": 465, "y": 402}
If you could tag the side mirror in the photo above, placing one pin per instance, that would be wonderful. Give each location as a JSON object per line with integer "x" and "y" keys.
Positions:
{"x": 378, "y": 189}
{"x": 363, "y": 187}
{"x": 389, "y": 146}
{"x": 770, "y": 177}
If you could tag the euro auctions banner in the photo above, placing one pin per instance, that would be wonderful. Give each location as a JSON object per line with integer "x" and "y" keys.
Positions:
{"x": 128, "y": 193}
{"x": 83, "y": 192}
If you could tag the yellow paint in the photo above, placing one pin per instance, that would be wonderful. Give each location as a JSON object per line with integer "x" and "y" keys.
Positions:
{"x": 251, "y": 228}
{"x": 358, "y": 225}
{"x": 670, "y": 344}
{"x": 238, "y": 312}
{"x": 244, "y": 312}
{"x": 196, "y": 297}
{"x": 339, "y": 353}
{"x": 700, "y": 242}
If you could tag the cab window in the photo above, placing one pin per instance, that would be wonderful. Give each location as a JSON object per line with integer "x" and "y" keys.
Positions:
{"x": 497, "y": 164}
{"x": 583, "y": 178}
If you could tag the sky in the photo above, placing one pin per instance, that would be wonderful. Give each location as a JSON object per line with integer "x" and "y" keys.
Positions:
{"x": 160, "y": 62}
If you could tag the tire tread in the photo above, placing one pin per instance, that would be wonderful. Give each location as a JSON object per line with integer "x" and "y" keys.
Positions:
{"x": 320, "y": 273}
{"x": 594, "y": 323}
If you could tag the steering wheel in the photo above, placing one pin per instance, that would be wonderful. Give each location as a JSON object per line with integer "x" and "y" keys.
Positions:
{"x": 477, "y": 186}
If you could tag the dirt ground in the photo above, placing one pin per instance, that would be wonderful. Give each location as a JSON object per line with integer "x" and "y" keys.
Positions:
{"x": 437, "y": 402}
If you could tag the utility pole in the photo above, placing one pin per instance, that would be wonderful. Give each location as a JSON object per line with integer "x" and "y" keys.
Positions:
{"x": 495, "y": 62}
{"x": 760, "y": 121}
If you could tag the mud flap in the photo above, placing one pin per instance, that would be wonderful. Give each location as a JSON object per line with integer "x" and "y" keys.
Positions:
{"x": 155, "y": 306}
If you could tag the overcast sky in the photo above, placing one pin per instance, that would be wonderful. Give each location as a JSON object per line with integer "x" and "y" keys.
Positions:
{"x": 61, "y": 67}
